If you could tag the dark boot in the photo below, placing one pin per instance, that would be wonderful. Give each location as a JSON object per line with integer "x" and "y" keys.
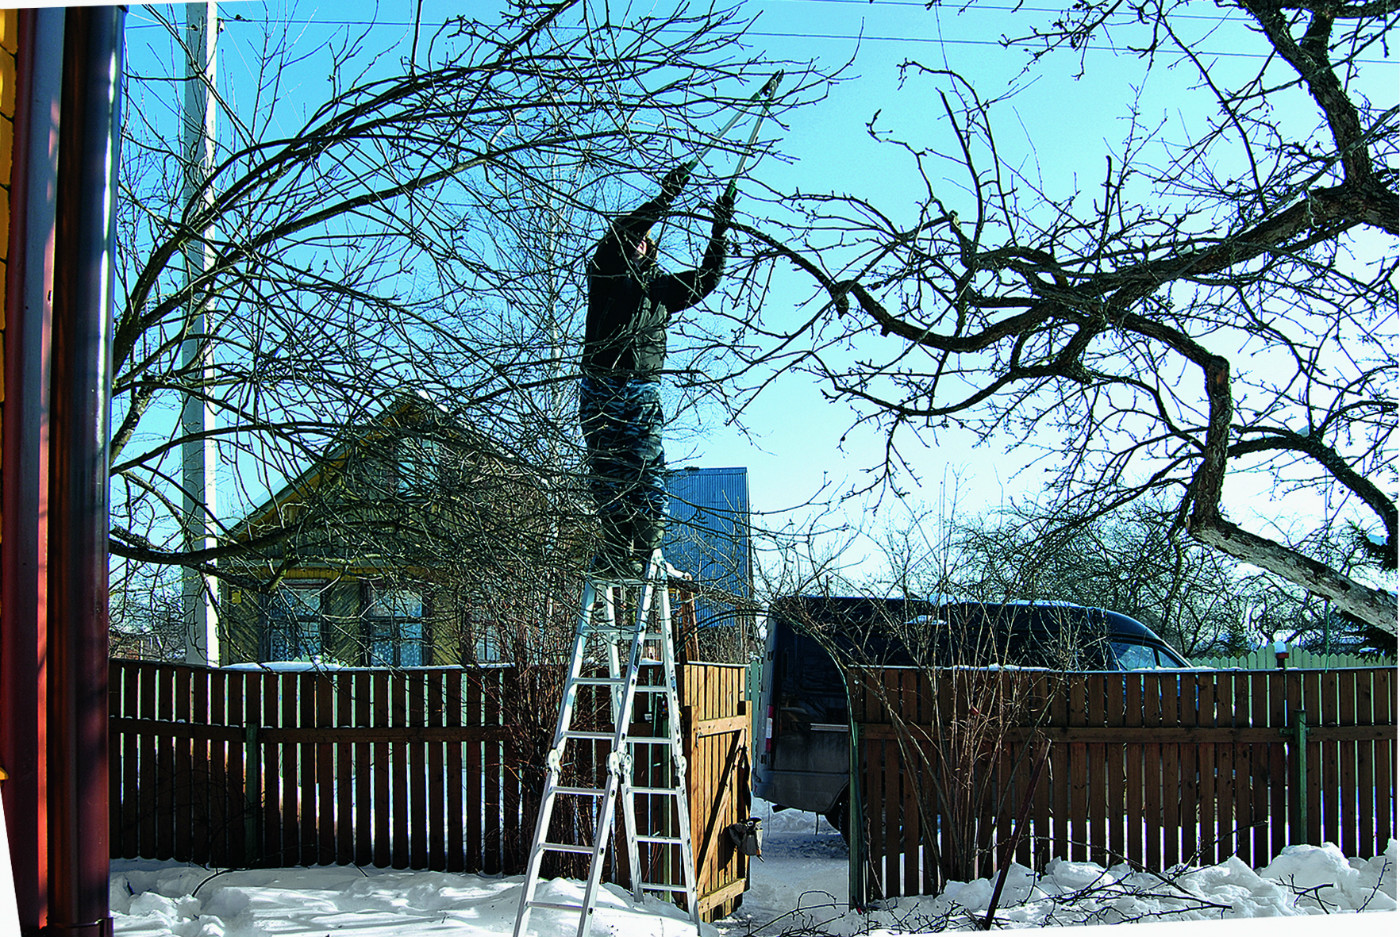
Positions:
{"x": 647, "y": 534}
{"x": 614, "y": 558}
{"x": 618, "y": 551}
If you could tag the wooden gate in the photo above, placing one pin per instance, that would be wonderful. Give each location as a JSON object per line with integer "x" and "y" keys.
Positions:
{"x": 715, "y": 719}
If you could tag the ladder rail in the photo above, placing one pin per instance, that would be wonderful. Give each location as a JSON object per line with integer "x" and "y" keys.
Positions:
{"x": 553, "y": 765}
{"x": 678, "y": 761}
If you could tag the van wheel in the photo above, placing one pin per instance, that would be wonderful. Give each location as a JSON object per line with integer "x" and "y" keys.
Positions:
{"x": 839, "y": 816}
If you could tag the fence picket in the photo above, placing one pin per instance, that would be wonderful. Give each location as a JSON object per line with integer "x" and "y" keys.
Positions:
{"x": 1383, "y": 776}
{"x": 237, "y": 812}
{"x": 416, "y": 768}
{"x": 1281, "y": 809}
{"x": 364, "y": 773}
{"x": 382, "y": 771}
{"x": 1134, "y": 845}
{"x": 1154, "y": 768}
{"x": 345, "y": 780}
{"x": 1346, "y": 761}
{"x": 493, "y": 810}
{"x": 115, "y": 770}
{"x": 1096, "y": 794}
{"x": 437, "y": 795}
{"x": 211, "y": 830}
{"x": 910, "y": 829}
{"x": 323, "y": 688}
{"x": 165, "y": 765}
{"x": 1261, "y": 808}
{"x": 254, "y": 756}
{"x": 475, "y": 796}
{"x": 399, "y": 773}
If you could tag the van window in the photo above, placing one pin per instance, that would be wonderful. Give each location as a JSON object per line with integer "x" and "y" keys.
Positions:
{"x": 809, "y": 668}
{"x": 1133, "y": 656}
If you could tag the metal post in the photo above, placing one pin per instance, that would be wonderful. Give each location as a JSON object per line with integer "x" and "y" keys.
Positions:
{"x": 1299, "y": 731}
{"x": 89, "y": 138}
{"x": 857, "y": 882}
{"x": 252, "y": 791}
{"x": 197, "y": 417}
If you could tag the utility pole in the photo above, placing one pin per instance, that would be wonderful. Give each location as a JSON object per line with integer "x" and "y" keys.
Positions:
{"x": 197, "y": 417}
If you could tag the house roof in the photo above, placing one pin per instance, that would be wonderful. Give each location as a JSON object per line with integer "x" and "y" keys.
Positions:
{"x": 402, "y": 408}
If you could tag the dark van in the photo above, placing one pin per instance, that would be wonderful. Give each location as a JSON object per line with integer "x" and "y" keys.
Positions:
{"x": 804, "y": 750}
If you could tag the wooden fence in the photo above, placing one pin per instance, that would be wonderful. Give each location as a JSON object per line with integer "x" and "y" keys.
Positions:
{"x": 1296, "y": 658}
{"x": 1152, "y": 768}
{"x": 416, "y": 769}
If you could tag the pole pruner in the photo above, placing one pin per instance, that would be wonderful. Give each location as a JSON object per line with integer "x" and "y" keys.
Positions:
{"x": 763, "y": 97}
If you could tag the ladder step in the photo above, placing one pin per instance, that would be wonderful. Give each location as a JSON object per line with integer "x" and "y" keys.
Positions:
{"x": 581, "y": 791}
{"x": 619, "y": 681}
{"x": 656, "y": 791}
{"x": 658, "y": 886}
{"x": 608, "y": 737}
{"x": 662, "y": 840}
{"x": 569, "y": 847}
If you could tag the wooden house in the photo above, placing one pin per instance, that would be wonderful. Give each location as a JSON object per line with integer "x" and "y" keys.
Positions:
{"x": 416, "y": 541}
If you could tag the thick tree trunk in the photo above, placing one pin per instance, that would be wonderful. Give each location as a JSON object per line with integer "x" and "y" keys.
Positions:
{"x": 1372, "y": 606}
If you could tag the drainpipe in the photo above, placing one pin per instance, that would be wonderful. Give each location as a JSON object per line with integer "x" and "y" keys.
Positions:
{"x": 81, "y": 399}
{"x": 24, "y": 538}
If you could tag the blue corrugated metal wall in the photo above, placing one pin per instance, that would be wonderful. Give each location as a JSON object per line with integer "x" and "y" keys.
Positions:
{"x": 708, "y": 534}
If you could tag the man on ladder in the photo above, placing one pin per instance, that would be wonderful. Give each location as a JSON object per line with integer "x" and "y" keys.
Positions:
{"x": 630, "y": 304}
{"x": 621, "y": 667}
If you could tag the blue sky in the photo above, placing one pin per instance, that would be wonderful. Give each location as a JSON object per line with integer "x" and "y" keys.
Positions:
{"x": 796, "y": 445}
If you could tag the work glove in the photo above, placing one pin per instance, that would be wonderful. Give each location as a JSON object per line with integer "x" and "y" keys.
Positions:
{"x": 724, "y": 211}
{"x": 675, "y": 180}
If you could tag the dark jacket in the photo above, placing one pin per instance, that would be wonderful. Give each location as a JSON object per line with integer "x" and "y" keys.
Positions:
{"x": 630, "y": 303}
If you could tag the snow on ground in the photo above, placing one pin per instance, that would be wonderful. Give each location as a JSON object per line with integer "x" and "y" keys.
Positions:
{"x": 798, "y": 888}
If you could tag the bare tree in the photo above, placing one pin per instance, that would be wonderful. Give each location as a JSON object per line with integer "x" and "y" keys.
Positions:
{"x": 1126, "y": 562}
{"x": 1212, "y": 309}
{"x": 420, "y": 230}
{"x": 147, "y": 619}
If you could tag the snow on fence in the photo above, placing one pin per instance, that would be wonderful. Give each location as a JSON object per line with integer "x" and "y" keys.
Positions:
{"x": 1153, "y": 768}
{"x": 424, "y": 769}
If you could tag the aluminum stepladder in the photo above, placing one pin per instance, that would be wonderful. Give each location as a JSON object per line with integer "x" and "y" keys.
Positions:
{"x": 598, "y": 624}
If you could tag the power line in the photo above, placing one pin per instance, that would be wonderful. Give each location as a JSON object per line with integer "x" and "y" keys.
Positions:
{"x": 1008, "y": 8}
{"x": 818, "y": 37}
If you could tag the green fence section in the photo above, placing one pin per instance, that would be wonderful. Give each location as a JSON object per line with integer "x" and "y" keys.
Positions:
{"x": 1265, "y": 658}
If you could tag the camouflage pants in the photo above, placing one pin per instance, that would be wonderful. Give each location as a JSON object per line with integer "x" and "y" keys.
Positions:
{"x": 622, "y": 421}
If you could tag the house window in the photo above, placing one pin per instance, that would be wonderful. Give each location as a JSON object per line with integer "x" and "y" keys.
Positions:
{"x": 416, "y": 463}
{"x": 293, "y": 626}
{"x": 481, "y": 635}
{"x": 394, "y": 619}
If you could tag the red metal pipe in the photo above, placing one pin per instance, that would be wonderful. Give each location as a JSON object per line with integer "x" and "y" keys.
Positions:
{"x": 24, "y": 537}
{"x": 81, "y": 399}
